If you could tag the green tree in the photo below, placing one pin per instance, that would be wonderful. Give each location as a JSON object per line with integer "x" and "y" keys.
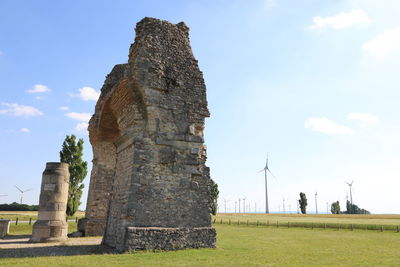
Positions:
{"x": 71, "y": 153}
{"x": 214, "y": 196}
{"x": 349, "y": 208}
{"x": 354, "y": 209}
{"x": 303, "y": 203}
{"x": 335, "y": 207}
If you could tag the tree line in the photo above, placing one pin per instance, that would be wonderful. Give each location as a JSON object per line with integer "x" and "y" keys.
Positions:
{"x": 335, "y": 207}
{"x": 18, "y": 207}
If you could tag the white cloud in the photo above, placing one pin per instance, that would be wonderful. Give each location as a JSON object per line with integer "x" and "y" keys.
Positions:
{"x": 64, "y": 108}
{"x": 87, "y": 94}
{"x": 364, "y": 118}
{"x": 38, "y": 88}
{"x": 326, "y": 126}
{"x": 19, "y": 110}
{"x": 384, "y": 44}
{"x": 25, "y": 130}
{"x": 82, "y": 126}
{"x": 85, "y": 117}
{"x": 341, "y": 21}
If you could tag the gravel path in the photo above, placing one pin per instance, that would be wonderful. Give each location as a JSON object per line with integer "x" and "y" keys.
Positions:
{"x": 18, "y": 246}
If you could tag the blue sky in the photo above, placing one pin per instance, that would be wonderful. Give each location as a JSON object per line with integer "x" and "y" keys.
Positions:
{"x": 312, "y": 83}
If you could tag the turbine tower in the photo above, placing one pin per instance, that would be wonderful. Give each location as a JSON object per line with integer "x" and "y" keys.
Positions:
{"x": 266, "y": 169}
{"x": 225, "y": 201}
{"x": 351, "y": 195}
{"x": 22, "y": 192}
{"x": 316, "y": 203}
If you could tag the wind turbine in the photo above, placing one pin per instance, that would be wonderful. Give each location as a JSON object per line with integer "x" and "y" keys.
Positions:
{"x": 225, "y": 200}
{"x": 22, "y": 192}
{"x": 266, "y": 169}
{"x": 244, "y": 204}
{"x": 239, "y": 205}
{"x": 316, "y": 203}
{"x": 351, "y": 195}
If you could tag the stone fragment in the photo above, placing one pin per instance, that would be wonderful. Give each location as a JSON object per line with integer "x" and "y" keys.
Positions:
{"x": 4, "y": 227}
{"x": 51, "y": 225}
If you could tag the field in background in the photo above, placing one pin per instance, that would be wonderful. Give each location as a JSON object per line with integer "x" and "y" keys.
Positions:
{"x": 26, "y": 215}
{"x": 370, "y": 219}
{"x": 26, "y": 229}
{"x": 253, "y": 246}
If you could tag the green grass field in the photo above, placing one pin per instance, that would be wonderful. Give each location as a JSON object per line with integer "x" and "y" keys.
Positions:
{"x": 255, "y": 246}
{"x": 26, "y": 215}
{"x": 320, "y": 218}
{"x": 26, "y": 229}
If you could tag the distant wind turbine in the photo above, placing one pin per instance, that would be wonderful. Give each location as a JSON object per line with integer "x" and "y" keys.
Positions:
{"x": 351, "y": 195}
{"x": 225, "y": 201}
{"x": 22, "y": 192}
{"x": 316, "y": 203}
{"x": 266, "y": 169}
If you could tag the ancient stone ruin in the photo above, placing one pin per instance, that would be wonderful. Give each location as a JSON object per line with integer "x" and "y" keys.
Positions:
{"x": 51, "y": 225}
{"x": 149, "y": 185}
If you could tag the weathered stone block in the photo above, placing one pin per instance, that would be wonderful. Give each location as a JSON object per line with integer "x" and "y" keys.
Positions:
{"x": 154, "y": 238}
{"x": 4, "y": 228}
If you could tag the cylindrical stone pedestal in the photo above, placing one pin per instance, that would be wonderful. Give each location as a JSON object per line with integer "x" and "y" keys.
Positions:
{"x": 51, "y": 225}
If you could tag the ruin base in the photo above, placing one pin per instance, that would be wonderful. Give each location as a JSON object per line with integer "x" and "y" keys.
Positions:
{"x": 49, "y": 231}
{"x": 154, "y": 238}
{"x": 91, "y": 227}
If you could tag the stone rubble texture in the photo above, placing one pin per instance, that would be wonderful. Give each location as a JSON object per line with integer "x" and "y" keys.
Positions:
{"x": 51, "y": 224}
{"x": 149, "y": 155}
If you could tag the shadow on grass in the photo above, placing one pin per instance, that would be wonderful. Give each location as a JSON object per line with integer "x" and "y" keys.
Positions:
{"x": 59, "y": 250}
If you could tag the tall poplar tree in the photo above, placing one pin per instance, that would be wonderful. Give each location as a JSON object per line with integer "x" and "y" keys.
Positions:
{"x": 71, "y": 153}
{"x": 303, "y": 203}
{"x": 214, "y": 197}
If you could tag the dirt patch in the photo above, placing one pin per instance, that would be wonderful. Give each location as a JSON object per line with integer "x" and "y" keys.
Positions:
{"x": 18, "y": 246}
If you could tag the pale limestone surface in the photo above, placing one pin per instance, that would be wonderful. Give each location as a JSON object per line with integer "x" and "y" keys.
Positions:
{"x": 51, "y": 225}
{"x": 4, "y": 228}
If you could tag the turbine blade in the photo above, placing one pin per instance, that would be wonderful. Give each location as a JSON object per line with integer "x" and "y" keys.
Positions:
{"x": 261, "y": 170}
{"x": 19, "y": 189}
{"x": 272, "y": 174}
{"x": 266, "y": 162}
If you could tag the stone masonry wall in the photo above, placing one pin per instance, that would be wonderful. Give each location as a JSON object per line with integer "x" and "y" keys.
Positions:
{"x": 147, "y": 136}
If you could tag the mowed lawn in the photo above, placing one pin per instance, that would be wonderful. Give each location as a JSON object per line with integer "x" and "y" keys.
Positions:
{"x": 255, "y": 246}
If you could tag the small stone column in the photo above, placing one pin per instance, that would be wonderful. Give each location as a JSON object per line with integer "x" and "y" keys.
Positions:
{"x": 4, "y": 228}
{"x": 51, "y": 225}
